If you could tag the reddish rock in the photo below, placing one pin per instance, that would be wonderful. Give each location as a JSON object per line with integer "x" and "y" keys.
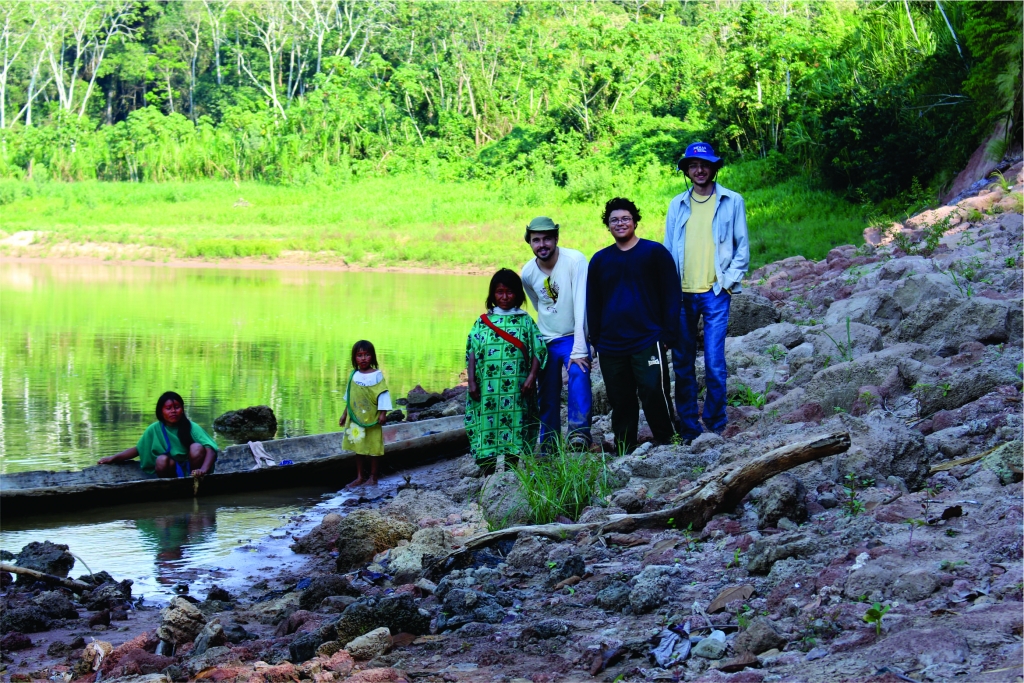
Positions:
{"x": 341, "y": 662}
{"x": 851, "y": 641}
{"x": 136, "y": 663}
{"x": 376, "y": 676}
{"x": 743, "y": 542}
{"x": 223, "y": 673}
{"x": 294, "y": 622}
{"x": 809, "y": 412}
{"x": 279, "y": 673}
{"x": 14, "y": 641}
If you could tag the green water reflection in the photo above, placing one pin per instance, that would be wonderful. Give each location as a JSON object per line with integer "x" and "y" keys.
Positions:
{"x": 86, "y": 349}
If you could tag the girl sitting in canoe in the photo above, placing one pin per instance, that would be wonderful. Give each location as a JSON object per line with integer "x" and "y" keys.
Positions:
{"x": 504, "y": 353}
{"x": 173, "y": 446}
{"x": 368, "y": 402}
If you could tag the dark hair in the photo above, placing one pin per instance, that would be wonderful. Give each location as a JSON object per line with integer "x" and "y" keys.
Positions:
{"x": 510, "y": 279}
{"x": 184, "y": 426}
{"x": 363, "y": 345}
{"x": 620, "y": 204}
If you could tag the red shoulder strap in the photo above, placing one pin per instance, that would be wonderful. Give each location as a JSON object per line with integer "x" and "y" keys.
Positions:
{"x": 503, "y": 334}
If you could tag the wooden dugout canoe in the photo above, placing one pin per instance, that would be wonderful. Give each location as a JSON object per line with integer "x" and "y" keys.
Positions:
{"x": 318, "y": 460}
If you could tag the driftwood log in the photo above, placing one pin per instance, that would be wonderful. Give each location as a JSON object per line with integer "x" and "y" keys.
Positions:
{"x": 716, "y": 492}
{"x": 71, "y": 584}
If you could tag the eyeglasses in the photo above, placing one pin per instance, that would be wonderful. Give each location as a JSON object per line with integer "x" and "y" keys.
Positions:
{"x": 620, "y": 221}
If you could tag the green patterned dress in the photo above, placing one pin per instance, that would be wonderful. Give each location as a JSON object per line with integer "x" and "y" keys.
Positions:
{"x": 503, "y": 421}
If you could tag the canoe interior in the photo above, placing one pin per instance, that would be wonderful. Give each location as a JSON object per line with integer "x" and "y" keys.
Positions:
{"x": 318, "y": 459}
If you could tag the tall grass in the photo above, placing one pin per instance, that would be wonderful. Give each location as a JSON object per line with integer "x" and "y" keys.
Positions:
{"x": 413, "y": 220}
{"x": 561, "y": 483}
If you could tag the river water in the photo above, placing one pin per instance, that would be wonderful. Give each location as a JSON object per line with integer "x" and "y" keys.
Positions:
{"x": 85, "y": 350}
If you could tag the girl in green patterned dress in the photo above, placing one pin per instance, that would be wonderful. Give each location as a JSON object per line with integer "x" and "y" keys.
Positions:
{"x": 368, "y": 402}
{"x": 504, "y": 353}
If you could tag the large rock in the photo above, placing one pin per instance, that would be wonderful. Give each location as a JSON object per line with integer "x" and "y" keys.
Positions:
{"x": 408, "y": 561}
{"x": 759, "y": 637}
{"x": 255, "y": 423}
{"x": 502, "y": 500}
{"x": 398, "y": 614}
{"x": 651, "y": 587}
{"x": 364, "y": 533}
{"x": 768, "y": 550}
{"x": 463, "y": 605}
{"x": 781, "y": 496}
{"x": 371, "y": 645}
{"x": 31, "y": 619}
{"x": 323, "y": 587}
{"x": 945, "y": 327}
{"x": 749, "y": 312}
{"x": 841, "y": 343}
{"x": 108, "y": 595}
{"x": 180, "y": 622}
{"x": 420, "y": 399}
{"x": 874, "y": 307}
{"x": 883, "y": 447}
{"x": 1005, "y": 461}
{"x": 56, "y": 605}
{"x": 837, "y": 384}
{"x": 46, "y": 557}
{"x": 414, "y": 505}
{"x": 914, "y": 290}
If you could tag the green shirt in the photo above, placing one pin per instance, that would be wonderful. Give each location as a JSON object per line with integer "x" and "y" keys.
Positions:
{"x": 152, "y": 444}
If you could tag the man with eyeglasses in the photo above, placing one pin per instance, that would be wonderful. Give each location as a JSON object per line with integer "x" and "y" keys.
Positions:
{"x": 706, "y": 232}
{"x": 556, "y": 283}
{"x": 632, "y": 313}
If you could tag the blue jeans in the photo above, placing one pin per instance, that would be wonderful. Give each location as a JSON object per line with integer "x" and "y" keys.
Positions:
{"x": 550, "y": 392}
{"x": 715, "y": 310}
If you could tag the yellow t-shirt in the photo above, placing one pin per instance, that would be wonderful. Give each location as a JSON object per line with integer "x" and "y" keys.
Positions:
{"x": 699, "y": 248}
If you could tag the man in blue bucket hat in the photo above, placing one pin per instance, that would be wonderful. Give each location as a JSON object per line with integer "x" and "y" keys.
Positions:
{"x": 706, "y": 233}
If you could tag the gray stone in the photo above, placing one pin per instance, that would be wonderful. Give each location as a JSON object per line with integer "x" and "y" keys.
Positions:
{"x": 915, "y": 585}
{"x": 398, "y": 614}
{"x": 614, "y": 597}
{"x": 921, "y": 648}
{"x": 212, "y": 635}
{"x": 108, "y": 595}
{"x": 46, "y": 557}
{"x": 944, "y": 327}
{"x": 325, "y": 586}
{"x": 30, "y": 619}
{"x": 549, "y": 628}
{"x": 475, "y": 629}
{"x": 255, "y": 423}
{"x": 527, "y": 552}
{"x": 768, "y": 550}
{"x": 1004, "y": 461}
{"x": 56, "y": 605}
{"x": 759, "y": 637}
{"x": 712, "y": 647}
{"x": 842, "y": 343}
{"x": 406, "y": 562}
{"x": 371, "y": 645}
{"x": 868, "y": 579}
{"x": 910, "y": 292}
{"x": 462, "y": 606}
{"x": 873, "y": 307}
{"x": 828, "y": 500}
{"x": 781, "y": 496}
{"x": 749, "y": 312}
{"x": 304, "y": 646}
{"x": 413, "y": 505}
{"x": 650, "y": 587}
{"x": 180, "y": 622}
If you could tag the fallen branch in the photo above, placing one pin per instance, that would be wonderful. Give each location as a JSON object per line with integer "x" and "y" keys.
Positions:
{"x": 950, "y": 464}
{"x": 716, "y": 492}
{"x": 725, "y": 488}
{"x": 71, "y": 584}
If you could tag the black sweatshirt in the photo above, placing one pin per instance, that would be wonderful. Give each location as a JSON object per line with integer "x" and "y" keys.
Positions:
{"x": 633, "y": 298}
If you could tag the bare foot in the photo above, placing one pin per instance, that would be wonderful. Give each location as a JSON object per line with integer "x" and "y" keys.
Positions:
{"x": 372, "y": 481}
{"x": 357, "y": 483}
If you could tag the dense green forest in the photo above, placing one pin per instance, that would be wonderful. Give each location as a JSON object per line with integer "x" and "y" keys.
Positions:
{"x": 865, "y": 96}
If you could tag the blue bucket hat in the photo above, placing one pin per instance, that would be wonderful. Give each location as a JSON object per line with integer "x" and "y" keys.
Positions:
{"x": 699, "y": 150}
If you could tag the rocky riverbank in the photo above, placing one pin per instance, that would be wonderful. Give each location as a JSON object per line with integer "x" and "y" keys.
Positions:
{"x": 898, "y": 559}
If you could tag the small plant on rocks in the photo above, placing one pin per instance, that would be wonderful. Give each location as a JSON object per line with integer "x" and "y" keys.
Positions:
{"x": 561, "y": 483}
{"x": 914, "y": 523}
{"x": 874, "y": 616}
{"x": 853, "y": 505}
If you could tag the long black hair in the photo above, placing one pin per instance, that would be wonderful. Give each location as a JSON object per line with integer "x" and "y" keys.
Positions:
{"x": 510, "y": 279}
{"x": 184, "y": 426}
{"x": 363, "y": 345}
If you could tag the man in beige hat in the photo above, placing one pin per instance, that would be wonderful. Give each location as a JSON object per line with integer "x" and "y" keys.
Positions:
{"x": 556, "y": 283}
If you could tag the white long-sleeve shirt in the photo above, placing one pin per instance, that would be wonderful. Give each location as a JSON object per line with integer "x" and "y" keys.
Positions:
{"x": 562, "y": 303}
